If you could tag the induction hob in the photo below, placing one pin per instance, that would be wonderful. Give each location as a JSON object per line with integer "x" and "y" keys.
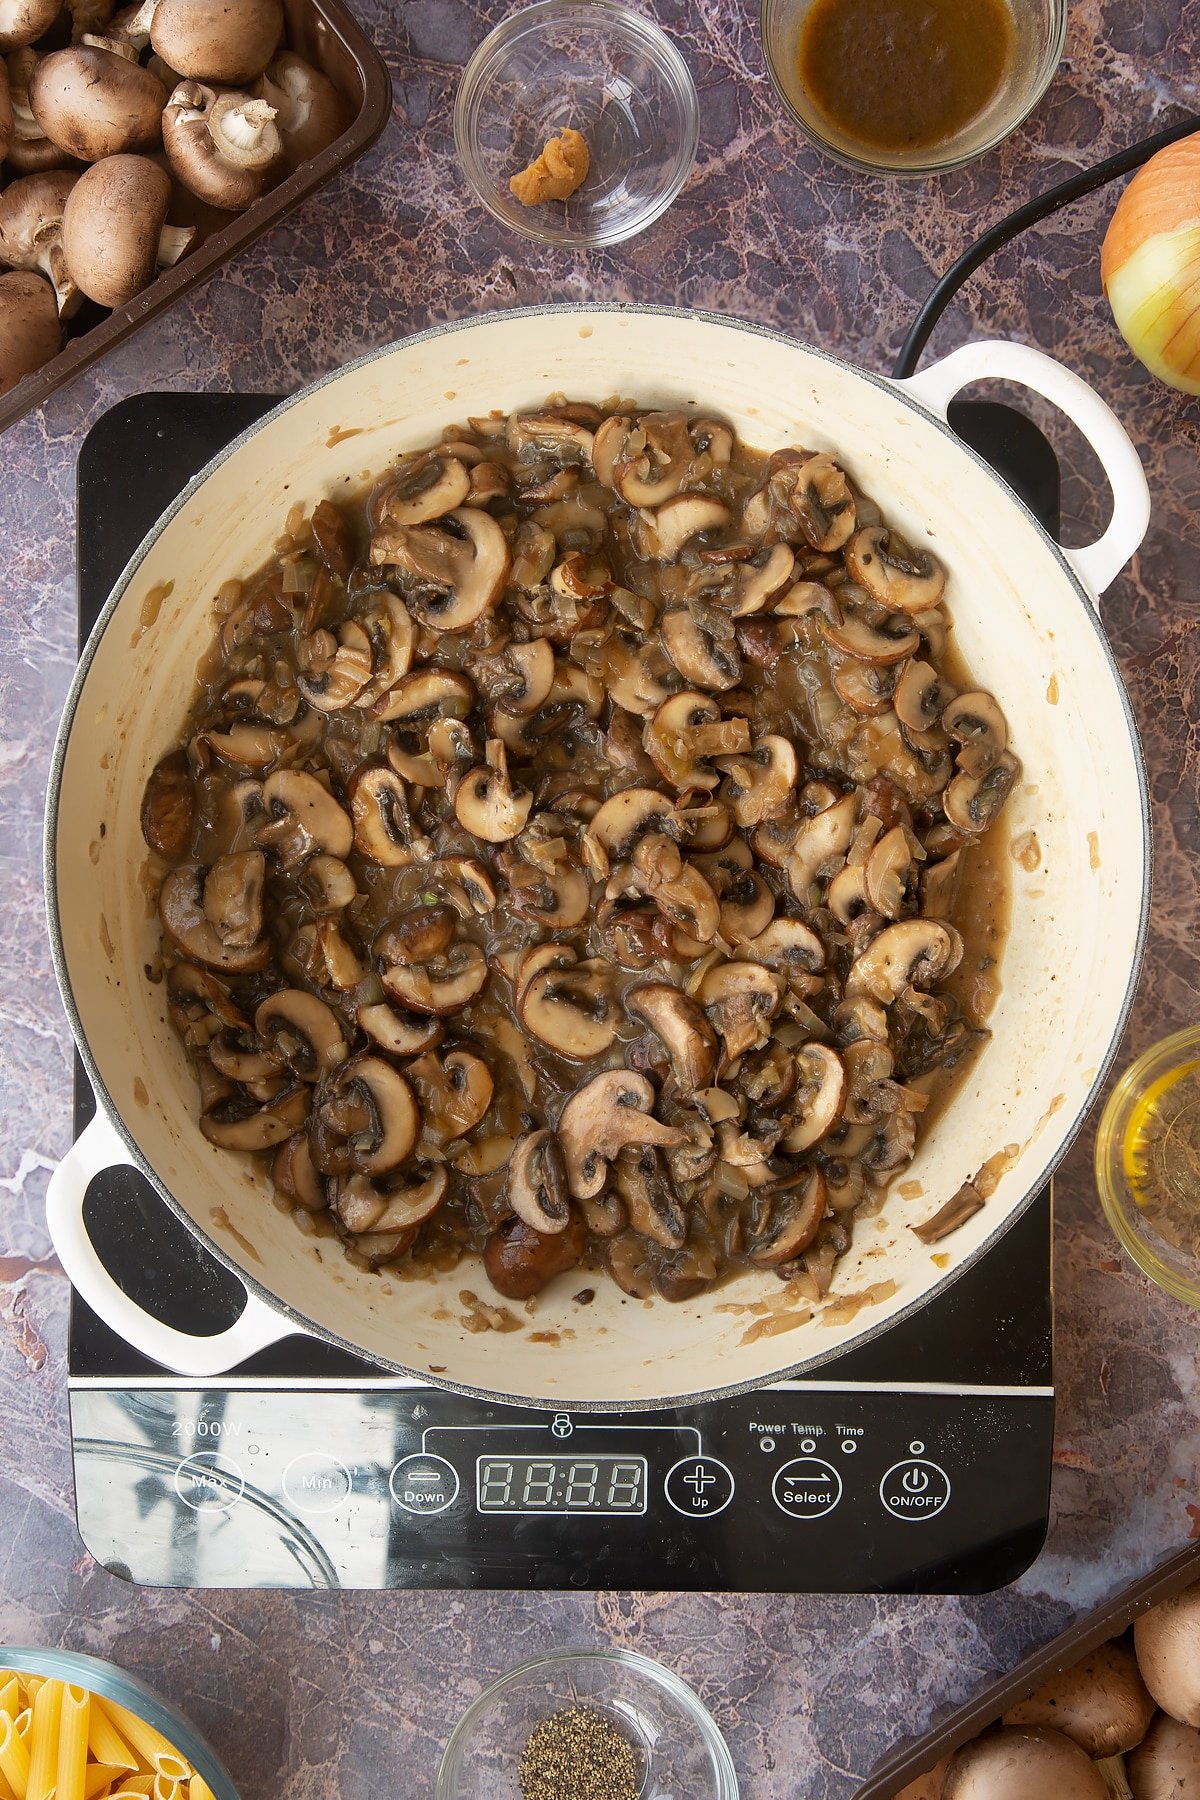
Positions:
{"x": 917, "y": 1463}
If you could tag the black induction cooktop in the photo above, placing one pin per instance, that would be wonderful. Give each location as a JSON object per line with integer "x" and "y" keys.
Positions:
{"x": 919, "y": 1462}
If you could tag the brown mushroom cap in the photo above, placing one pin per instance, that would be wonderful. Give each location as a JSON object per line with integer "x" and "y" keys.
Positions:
{"x": 6, "y": 111}
{"x": 1101, "y": 1702}
{"x": 1019, "y": 1762}
{"x": 112, "y": 223}
{"x": 1167, "y": 1642}
{"x": 221, "y": 147}
{"x": 24, "y": 21}
{"x": 1166, "y": 1764}
{"x": 227, "y": 41}
{"x": 309, "y": 113}
{"x": 30, "y": 328}
{"x": 31, "y": 211}
{"x": 93, "y": 103}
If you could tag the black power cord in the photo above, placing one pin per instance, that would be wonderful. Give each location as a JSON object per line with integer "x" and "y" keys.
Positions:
{"x": 1032, "y": 213}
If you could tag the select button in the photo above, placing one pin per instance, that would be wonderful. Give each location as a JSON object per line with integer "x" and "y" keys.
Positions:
{"x": 424, "y": 1484}
{"x": 914, "y": 1489}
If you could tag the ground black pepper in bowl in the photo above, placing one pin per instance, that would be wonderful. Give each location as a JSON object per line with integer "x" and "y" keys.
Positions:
{"x": 579, "y": 1754}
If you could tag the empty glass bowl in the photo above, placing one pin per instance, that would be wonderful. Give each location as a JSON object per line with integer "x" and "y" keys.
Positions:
{"x": 682, "y": 1754}
{"x": 1039, "y": 33}
{"x": 605, "y": 71}
{"x": 1148, "y": 1163}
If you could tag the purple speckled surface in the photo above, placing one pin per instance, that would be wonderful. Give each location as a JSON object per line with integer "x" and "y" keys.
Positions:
{"x": 354, "y": 1695}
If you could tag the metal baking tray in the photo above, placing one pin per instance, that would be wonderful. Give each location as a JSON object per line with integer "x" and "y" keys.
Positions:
{"x": 907, "y": 1761}
{"x": 326, "y": 35}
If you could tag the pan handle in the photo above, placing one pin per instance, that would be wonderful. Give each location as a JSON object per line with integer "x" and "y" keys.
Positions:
{"x": 997, "y": 359}
{"x": 99, "y": 1148}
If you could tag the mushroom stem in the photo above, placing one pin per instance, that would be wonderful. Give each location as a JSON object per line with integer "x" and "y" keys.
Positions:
{"x": 174, "y": 242}
{"x": 241, "y": 130}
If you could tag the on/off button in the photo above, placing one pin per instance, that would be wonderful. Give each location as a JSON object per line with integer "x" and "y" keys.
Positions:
{"x": 914, "y": 1489}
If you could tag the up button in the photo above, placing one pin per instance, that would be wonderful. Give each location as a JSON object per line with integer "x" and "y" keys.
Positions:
{"x": 914, "y": 1489}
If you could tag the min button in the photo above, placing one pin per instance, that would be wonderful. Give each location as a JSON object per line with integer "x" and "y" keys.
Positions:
{"x": 914, "y": 1489}
{"x": 316, "y": 1483}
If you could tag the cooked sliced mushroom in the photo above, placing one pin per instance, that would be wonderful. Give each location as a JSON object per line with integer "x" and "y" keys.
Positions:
{"x": 486, "y": 803}
{"x": 762, "y": 785}
{"x": 169, "y": 807}
{"x": 647, "y": 461}
{"x": 440, "y": 693}
{"x": 392, "y": 637}
{"x": 383, "y": 828}
{"x": 939, "y": 886}
{"x": 921, "y": 696}
{"x": 702, "y": 659}
{"x": 335, "y": 670}
{"x": 677, "y": 888}
{"x": 293, "y": 1174}
{"x": 399, "y": 1034}
{"x": 187, "y": 923}
{"x": 536, "y": 1185}
{"x": 364, "y": 1118}
{"x": 631, "y": 681}
{"x": 867, "y": 688}
{"x": 327, "y": 884}
{"x": 560, "y": 896}
{"x": 302, "y": 1032}
{"x": 397, "y": 1205}
{"x": 233, "y": 897}
{"x": 443, "y": 985}
{"x": 552, "y": 433}
{"x": 454, "y": 1089}
{"x": 819, "y": 846}
{"x": 470, "y": 885}
{"x": 604, "y": 1116}
{"x": 790, "y": 946}
{"x": 571, "y": 1009}
{"x": 819, "y": 1095}
{"x": 972, "y": 802}
{"x": 614, "y": 830}
{"x": 820, "y": 498}
{"x": 747, "y": 907}
{"x": 650, "y": 1203}
{"x": 889, "y": 641}
{"x": 742, "y": 998}
{"x": 888, "y": 869}
{"x": 915, "y": 953}
{"x": 846, "y": 896}
{"x": 239, "y": 1123}
{"x": 459, "y": 566}
{"x": 665, "y": 532}
{"x": 425, "y": 487}
{"x": 685, "y": 731}
{"x": 975, "y": 722}
{"x": 898, "y": 577}
{"x": 787, "y": 1221}
{"x": 686, "y": 1033}
{"x": 520, "y": 678}
{"x": 761, "y": 578}
{"x": 301, "y": 818}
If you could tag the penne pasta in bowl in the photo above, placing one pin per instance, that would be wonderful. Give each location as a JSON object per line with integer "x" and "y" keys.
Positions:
{"x": 73, "y": 1727}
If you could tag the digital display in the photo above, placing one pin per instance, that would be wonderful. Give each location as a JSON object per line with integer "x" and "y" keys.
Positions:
{"x": 561, "y": 1484}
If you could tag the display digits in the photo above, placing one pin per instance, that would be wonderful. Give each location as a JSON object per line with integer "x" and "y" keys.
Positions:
{"x": 567, "y": 1484}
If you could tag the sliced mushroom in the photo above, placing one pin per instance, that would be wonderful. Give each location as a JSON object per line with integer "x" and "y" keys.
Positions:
{"x": 762, "y": 785}
{"x": 866, "y": 688}
{"x": 454, "y": 1089}
{"x": 293, "y": 1173}
{"x": 975, "y": 722}
{"x": 685, "y": 731}
{"x": 536, "y": 1185}
{"x": 614, "y": 830}
{"x": 921, "y": 696}
{"x": 972, "y": 802}
{"x": 702, "y": 659}
{"x": 238, "y": 1123}
{"x": 846, "y": 896}
{"x": 425, "y": 487}
{"x": 364, "y": 1118}
{"x": 335, "y": 670}
{"x": 186, "y": 922}
{"x": 399, "y": 1034}
{"x": 603, "y": 1117}
{"x": 889, "y": 641}
{"x": 820, "y": 499}
{"x": 887, "y": 872}
{"x": 327, "y": 884}
{"x": 383, "y": 828}
{"x": 459, "y": 566}
{"x": 301, "y": 818}
{"x": 787, "y": 1221}
{"x": 169, "y": 807}
{"x": 677, "y": 888}
{"x": 677, "y": 521}
{"x": 426, "y": 692}
{"x": 760, "y": 578}
{"x": 895, "y": 575}
{"x": 939, "y": 886}
{"x": 233, "y": 897}
{"x": 915, "y": 953}
{"x": 651, "y": 1205}
{"x": 520, "y": 678}
{"x": 647, "y": 462}
{"x": 397, "y": 1205}
{"x": 747, "y": 907}
{"x": 302, "y": 1032}
{"x": 560, "y": 896}
{"x": 790, "y": 946}
{"x": 683, "y": 1029}
{"x": 820, "y": 1093}
{"x": 744, "y": 997}
{"x": 471, "y": 887}
{"x": 571, "y": 1009}
{"x": 443, "y": 985}
{"x": 486, "y": 803}
{"x": 820, "y": 845}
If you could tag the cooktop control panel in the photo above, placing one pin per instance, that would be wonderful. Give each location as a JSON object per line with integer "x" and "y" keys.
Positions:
{"x": 791, "y": 1488}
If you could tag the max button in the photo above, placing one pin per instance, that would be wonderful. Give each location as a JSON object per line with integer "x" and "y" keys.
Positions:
{"x": 914, "y": 1489}
{"x": 699, "y": 1487}
{"x": 424, "y": 1484}
{"x": 208, "y": 1483}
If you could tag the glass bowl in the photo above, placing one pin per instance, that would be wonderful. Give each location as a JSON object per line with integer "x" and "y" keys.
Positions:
{"x": 1040, "y": 29}
{"x": 112, "y": 1683}
{"x": 682, "y": 1753}
{"x": 609, "y": 73}
{"x": 1145, "y": 1089}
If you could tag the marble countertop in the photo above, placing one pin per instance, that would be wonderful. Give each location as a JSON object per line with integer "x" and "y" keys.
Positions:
{"x": 354, "y": 1694}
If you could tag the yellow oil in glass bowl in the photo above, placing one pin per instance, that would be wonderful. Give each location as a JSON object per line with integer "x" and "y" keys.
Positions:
{"x": 1148, "y": 1163}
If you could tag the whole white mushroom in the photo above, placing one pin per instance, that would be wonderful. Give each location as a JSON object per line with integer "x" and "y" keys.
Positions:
{"x": 1166, "y": 1765}
{"x": 1023, "y": 1762}
{"x": 1167, "y": 1641}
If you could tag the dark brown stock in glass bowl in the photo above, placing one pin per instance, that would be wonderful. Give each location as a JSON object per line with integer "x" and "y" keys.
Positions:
{"x": 580, "y": 854}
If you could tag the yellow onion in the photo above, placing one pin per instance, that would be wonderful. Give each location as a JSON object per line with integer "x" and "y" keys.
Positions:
{"x": 1150, "y": 265}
